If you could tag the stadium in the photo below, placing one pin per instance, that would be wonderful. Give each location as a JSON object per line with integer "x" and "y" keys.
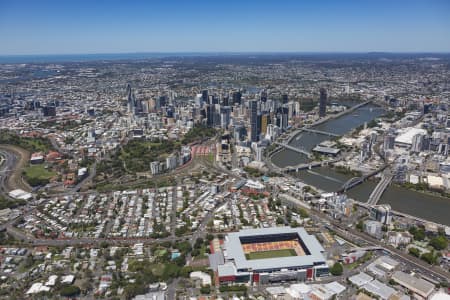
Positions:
{"x": 270, "y": 255}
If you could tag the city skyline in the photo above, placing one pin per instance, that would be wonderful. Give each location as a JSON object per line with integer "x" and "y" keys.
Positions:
{"x": 50, "y": 27}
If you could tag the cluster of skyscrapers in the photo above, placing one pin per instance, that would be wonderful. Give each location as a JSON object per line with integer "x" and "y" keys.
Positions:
{"x": 252, "y": 117}
{"x": 137, "y": 107}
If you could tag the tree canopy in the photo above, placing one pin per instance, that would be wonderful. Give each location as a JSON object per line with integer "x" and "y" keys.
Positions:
{"x": 337, "y": 269}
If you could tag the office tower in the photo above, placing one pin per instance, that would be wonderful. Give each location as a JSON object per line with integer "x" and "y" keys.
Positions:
{"x": 365, "y": 151}
{"x": 285, "y": 115}
{"x": 198, "y": 100}
{"x": 443, "y": 149}
{"x": 347, "y": 88}
{"x": 131, "y": 101}
{"x": 282, "y": 120}
{"x": 426, "y": 143}
{"x": 138, "y": 106}
{"x": 152, "y": 104}
{"x": 263, "y": 97}
{"x": 400, "y": 173}
{"x": 264, "y": 122}
{"x": 373, "y": 228}
{"x": 253, "y": 106}
{"x": 205, "y": 96}
{"x": 204, "y": 113}
{"x": 237, "y": 97}
{"x": 49, "y": 111}
{"x": 154, "y": 167}
{"x": 239, "y": 132}
{"x": 416, "y": 145}
{"x": 291, "y": 109}
{"x": 128, "y": 93}
{"x": 210, "y": 114}
{"x": 216, "y": 115}
{"x": 225, "y": 113}
{"x": 161, "y": 102}
{"x": 296, "y": 108}
{"x": 225, "y": 101}
{"x": 213, "y": 99}
{"x": 259, "y": 151}
{"x": 323, "y": 103}
{"x": 171, "y": 162}
{"x": 389, "y": 141}
{"x": 372, "y": 141}
{"x": 381, "y": 213}
{"x": 258, "y": 124}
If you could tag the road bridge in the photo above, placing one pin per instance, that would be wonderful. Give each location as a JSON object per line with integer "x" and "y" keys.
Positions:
{"x": 352, "y": 182}
{"x": 298, "y": 150}
{"x": 311, "y": 165}
{"x": 379, "y": 189}
{"x": 320, "y": 132}
{"x": 288, "y": 137}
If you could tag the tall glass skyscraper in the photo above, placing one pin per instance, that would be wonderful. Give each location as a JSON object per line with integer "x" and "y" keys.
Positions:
{"x": 323, "y": 103}
{"x": 253, "y": 106}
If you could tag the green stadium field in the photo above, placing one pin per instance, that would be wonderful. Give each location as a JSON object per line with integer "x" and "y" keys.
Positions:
{"x": 270, "y": 254}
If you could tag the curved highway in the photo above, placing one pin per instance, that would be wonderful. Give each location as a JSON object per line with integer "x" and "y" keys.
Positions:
{"x": 8, "y": 162}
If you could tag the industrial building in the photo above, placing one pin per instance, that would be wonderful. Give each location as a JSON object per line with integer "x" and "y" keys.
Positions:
{"x": 422, "y": 289}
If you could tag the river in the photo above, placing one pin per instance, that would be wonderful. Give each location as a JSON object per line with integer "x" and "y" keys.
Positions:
{"x": 341, "y": 125}
{"x": 426, "y": 206}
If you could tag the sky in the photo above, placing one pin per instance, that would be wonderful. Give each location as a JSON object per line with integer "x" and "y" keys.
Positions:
{"x": 101, "y": 26}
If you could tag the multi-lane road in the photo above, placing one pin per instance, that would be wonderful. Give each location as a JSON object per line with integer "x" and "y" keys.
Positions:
{"x": 352, "y": 235}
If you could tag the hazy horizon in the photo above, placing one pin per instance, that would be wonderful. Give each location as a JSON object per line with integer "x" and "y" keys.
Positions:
{"x": 229, "y": 52}
{"x": 135, "y": 56}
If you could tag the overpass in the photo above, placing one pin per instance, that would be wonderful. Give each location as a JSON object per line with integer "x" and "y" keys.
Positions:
{"x": 298, "y": 150}
{"x": 379, "y": 189}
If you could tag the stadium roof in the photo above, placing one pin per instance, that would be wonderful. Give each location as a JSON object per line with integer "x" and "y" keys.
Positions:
{"x": 235, "y": 252}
